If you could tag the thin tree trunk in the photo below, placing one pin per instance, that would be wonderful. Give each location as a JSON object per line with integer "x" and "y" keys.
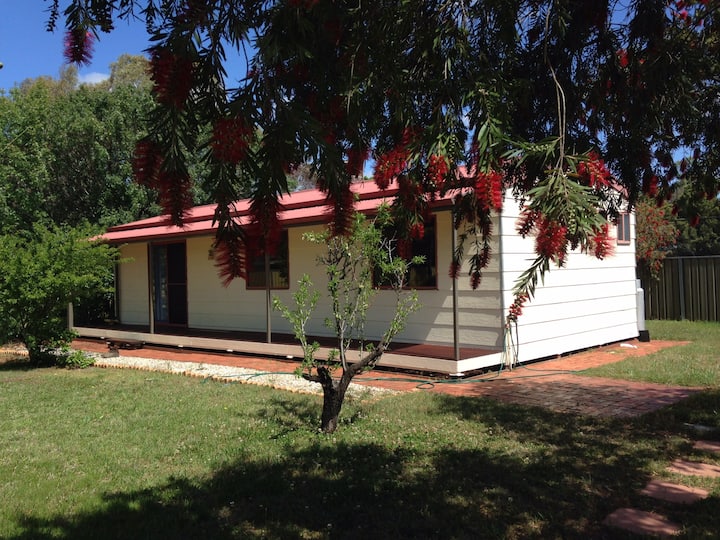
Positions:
{"x": 333, "y": 397}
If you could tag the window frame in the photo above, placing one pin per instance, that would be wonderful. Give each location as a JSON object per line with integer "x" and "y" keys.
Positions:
{"x": 280, "y": 259}
{"x": 623, "y": 229}
{"x": 430, "y": 235}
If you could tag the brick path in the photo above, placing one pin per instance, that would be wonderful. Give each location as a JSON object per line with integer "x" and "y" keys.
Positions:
{"x": 549, "y": 384}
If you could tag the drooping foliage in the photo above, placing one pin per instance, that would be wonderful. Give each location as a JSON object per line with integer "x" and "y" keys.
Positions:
{"x": 563, "y": 103}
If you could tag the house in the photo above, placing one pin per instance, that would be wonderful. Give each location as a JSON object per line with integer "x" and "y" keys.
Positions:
{"x": 169, "y": 293}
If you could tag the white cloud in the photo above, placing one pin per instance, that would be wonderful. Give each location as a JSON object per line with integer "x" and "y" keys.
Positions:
{"x": 93, "y": 78}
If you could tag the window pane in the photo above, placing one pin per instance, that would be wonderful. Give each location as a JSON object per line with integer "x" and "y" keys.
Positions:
{"x": 422, "y": 275}
{"x": 278, "y": 268}
{"x": 623, "y": 229}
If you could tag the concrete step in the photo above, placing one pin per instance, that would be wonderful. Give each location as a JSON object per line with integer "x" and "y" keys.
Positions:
{"x": 641, "y": 522}
{"x": 707, "y": 446}
{"x": 694, "y": 468}
{"x": 674, "y": 493}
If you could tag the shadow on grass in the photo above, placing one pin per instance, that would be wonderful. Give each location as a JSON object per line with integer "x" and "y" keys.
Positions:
{"x": 16, "y": 364}
{"x": 701, "y": 409}
{"x": 579, "y": 471}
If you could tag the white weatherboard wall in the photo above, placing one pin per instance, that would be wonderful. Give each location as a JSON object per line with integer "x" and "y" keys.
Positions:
{"x": 133, "y": 281}
{"x": 215, "y": 307}
{"x": 587, "y": 303}
{"x": 479, "y": 313}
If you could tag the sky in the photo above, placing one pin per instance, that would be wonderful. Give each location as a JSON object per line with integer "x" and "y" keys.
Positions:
{"x": 28, "y": 50}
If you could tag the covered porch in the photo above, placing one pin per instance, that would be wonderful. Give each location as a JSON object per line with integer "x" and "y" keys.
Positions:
{"x": 438, "y": 359}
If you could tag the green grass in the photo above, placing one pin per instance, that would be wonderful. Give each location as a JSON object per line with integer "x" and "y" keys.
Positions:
{"x": 102, "y": 453}
{"x": 694, "y": 364}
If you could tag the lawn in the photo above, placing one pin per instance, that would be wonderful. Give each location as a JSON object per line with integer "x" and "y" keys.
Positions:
{"x": 103, "y": 453}
{"x": 695, "y": 364}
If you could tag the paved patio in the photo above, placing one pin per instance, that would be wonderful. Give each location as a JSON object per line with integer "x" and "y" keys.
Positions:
{"x": 552, "y": 384}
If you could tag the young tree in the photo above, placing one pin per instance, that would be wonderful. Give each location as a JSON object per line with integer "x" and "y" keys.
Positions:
{"x": 545, "y": 98}
{"x": 352, "y": 263}
{"x": 40, "y": 273}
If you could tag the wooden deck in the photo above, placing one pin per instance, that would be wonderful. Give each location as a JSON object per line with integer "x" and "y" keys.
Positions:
{"x": 412, "y": 356}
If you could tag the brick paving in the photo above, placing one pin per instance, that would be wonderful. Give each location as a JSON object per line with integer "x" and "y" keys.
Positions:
{"x": 552, "y": 384}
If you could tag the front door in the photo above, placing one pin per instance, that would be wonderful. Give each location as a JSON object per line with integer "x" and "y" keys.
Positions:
{"x": 170, "y": 283}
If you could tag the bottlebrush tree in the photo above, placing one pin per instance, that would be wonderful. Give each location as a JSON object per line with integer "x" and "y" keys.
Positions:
{"x": 656, "y": 235}
{"x": 551, "y": 100}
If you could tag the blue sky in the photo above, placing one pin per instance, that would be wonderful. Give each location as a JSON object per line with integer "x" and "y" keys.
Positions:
{"x": 27, "y": 50}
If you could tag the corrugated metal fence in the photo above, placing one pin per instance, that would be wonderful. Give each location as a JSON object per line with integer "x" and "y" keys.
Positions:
{"x": 688, "y": 288}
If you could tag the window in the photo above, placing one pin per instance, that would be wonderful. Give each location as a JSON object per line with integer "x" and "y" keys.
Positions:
{"x": 623, "y": 229}
{"x": 422, "y": 275}
{"x": 279, "y": 268}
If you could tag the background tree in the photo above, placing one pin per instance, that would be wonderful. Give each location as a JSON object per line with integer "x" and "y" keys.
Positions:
{"x": 68, "y": 150}
{"x": 656, "y": 233}
{"x": 40, "y": 272}
{"x": 352, "y": 264}
{"x": 67, "y": 153}
{"x": 699, "y": 224}
{"x": 546, "y": 98}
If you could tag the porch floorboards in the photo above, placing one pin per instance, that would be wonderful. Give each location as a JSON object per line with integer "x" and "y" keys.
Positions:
{"x": 442, "y": 352}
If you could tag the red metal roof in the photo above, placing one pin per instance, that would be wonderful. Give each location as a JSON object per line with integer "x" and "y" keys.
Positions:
{"x": 302, "y": 207}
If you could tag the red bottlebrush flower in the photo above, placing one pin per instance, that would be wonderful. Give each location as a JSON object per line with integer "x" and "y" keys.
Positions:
{"x": 516, "y": 308}
{"x": 172, "y": 76}
{"x": 175, "y": 196}
{"x": 526, "y": 222}
{"x": 356, "y": 157}
{"x": 404, "y": 248}
{"x": 410, "y": 193}
{"x": 594, "y": 171}
{"x": 454, "y": 270}
{"x": 475, "y": 279}
{"x": 437, "y": 170}
{"x": 695, "y": 221}
{"x": 650, "y": 185}
{"x": 623, "y": 59}
{"x": 229, "y": 141}
{"x": 388, "y": 166}
{"x": 484, "y": 257}
{"x": 230, "y": 258}
{"x": 342, "y": 206}
{"x": 147, "y": 160}
{"x": 551, "y": 240}
{"x": 79, "y": 46}
{"x": 265, "y": 225}
{"x": 601, "y": 243}
{"x": 488, "y": 190}
{"x": 417, "y": 230}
